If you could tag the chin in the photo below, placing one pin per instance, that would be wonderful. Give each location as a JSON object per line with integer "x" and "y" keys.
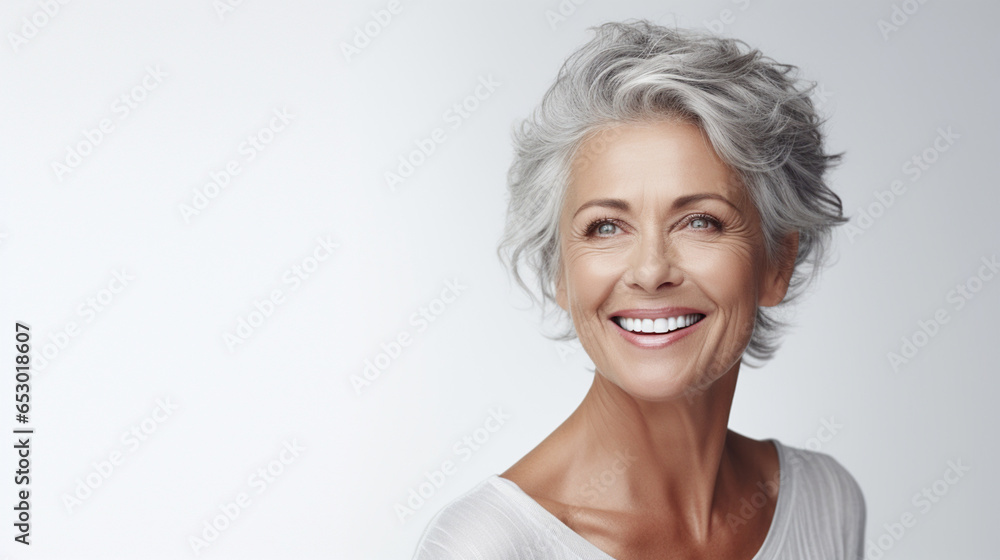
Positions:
{"x": 659, "y": 386}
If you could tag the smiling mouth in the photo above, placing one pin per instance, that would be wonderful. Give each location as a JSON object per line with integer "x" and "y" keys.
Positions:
{"x": 657, "y": 326}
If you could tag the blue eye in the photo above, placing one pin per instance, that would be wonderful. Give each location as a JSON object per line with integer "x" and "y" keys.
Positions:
{"x": 704, "y": 221}
{"x": 609, "y": 227}
{"x": 603, "y": 227}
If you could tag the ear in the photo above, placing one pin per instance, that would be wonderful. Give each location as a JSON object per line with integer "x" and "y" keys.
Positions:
{"x": 778, "y": 276}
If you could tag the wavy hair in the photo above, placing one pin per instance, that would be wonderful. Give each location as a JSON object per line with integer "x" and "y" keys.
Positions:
{"x": 756, "y": 112}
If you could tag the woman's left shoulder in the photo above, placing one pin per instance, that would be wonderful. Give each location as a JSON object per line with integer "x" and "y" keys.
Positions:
{"x": 820, "y": 473}
{"x": 824, "y": 487}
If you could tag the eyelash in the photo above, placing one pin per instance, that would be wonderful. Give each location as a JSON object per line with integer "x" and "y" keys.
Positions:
{"x": 592, "y": 227}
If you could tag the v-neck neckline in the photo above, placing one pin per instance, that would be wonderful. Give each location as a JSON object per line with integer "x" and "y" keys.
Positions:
{"x": 586, "y": 550}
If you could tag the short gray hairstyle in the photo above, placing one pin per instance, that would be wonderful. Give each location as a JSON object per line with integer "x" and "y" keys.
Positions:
{"x": 756, "y": 112}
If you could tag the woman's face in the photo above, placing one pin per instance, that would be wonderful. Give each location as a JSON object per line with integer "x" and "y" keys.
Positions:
{"x": 653, "y": 219}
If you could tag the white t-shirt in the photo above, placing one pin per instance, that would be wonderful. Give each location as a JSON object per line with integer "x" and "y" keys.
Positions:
{"x": 820, "y": 514}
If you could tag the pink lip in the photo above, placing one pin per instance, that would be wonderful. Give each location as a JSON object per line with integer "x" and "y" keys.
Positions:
{"x": 656, "y": 341}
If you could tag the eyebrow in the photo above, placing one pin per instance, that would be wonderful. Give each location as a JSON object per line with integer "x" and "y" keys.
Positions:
{"x": 619, "y": 204}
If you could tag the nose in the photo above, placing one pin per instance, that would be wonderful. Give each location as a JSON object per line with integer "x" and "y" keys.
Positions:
{"x": 653, "y": 264}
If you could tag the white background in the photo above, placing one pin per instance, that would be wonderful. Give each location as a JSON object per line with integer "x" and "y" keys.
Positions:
{"x": 63, "y": 236}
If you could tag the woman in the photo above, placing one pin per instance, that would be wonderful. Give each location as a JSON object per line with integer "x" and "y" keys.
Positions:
{"x": 668, "y": 194}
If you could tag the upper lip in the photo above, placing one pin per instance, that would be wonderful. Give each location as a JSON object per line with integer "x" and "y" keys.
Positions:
{"x": 657, "y": 312}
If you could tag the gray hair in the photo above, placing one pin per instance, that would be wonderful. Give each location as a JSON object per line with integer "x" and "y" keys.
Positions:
{"x": 756, "y": 113}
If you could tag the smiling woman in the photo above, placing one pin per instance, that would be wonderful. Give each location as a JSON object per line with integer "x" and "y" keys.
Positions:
{"x": 668, "y": 194}
{"x": 650, "y": 236}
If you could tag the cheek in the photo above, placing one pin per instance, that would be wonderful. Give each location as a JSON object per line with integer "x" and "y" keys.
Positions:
{"x": 727, "y": 276}
{"x": 591, "y": 277}
{"x": 723, "y": 271}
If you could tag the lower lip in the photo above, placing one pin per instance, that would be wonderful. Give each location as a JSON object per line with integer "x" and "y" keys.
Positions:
{"x": 653, "y": 341}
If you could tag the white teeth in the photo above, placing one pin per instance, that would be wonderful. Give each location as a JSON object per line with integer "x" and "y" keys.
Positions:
{"x": 660, "y": 325}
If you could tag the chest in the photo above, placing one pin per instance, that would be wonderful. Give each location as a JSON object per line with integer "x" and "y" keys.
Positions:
{"x": 645, "y": 537}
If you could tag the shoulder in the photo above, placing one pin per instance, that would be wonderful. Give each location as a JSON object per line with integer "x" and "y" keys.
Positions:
{"x": 825, "y": 490}
{"x": 482, "y": 524}
{"x": 821, "y": 477}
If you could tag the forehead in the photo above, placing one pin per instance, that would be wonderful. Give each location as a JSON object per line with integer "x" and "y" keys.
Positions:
{"x": 662, "y": 159}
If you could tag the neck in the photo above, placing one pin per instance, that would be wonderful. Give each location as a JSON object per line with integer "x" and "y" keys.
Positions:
{"x": 668, "y": 456}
